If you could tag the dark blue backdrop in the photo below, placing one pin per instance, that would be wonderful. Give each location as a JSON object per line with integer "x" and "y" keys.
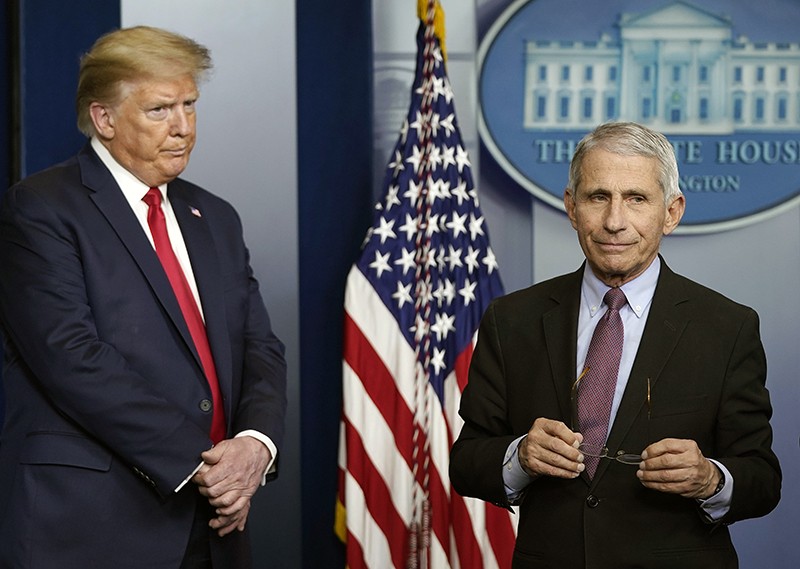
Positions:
{"x": 334, "y": 84}
{"x": 6, "y": 80}
{"x": 7, "y": 33}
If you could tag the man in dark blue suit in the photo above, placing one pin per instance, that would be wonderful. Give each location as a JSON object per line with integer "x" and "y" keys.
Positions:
{"x": 145, "y": 389}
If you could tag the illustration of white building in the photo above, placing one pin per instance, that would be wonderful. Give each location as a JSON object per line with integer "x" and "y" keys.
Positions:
{"x": 676, "y": 68}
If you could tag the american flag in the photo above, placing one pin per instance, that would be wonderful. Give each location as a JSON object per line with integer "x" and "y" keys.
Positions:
{"x": 413, "y": 303}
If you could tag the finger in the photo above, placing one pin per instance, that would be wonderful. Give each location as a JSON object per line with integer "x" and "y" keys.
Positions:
{"x": 223, "y": 522}
{"x": 553, "y": 458}
{"x": 548, "y": 428}
{"x": 239, "y": 466}
{"x": 559, "y": 453}
{"x": 222, "y": 478}
{"x": 214, "y": 454}
{"x": 235, "y": 510}
{"x": 230, "y": 504}
{"x": 555, "y": 436}
{"x": 687, "y": 482}
{"x": 679, "y": 456}
{"x": 226, "y": 529}
{"x": 668, "y": 463}
{"x": 664, "y": 476}
{"x": 669, "y": 446}
{"x": 199, "y": 477}
{"x": 569, "y": 470}
{"x": 226, "y": 524}
{"x": 236, "y": 484}
{"x": 554, "y": 450}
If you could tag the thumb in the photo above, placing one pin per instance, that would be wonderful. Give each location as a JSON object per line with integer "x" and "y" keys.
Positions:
{"x": 214, "y": 454}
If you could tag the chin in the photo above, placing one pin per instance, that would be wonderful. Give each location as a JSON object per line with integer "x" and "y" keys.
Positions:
{"x": 614, "y": 273}
{"x": 174, "y": 170}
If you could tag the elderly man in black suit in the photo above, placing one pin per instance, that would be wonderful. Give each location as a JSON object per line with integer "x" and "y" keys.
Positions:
{"x": 622, "y": 406}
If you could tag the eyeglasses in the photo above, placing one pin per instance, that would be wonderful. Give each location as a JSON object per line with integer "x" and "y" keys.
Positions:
{"x": 597, "y": 450}
{"x": 603, "y": 452}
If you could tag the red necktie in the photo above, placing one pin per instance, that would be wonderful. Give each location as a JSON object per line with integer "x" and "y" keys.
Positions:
{"x": 191, "y": 313}
{"x": 596, "y": 389}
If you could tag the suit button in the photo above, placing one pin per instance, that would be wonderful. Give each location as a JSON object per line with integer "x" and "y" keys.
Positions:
{"x": 206, "y": 405}
{"x": 592, "y": 501}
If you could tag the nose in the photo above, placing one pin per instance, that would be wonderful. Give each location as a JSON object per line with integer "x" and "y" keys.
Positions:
{"x": 615, "y": 219}
{"x": 182, "y": 122}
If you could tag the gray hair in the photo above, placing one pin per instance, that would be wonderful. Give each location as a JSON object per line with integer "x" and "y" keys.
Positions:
{"x": 629, "y": 139}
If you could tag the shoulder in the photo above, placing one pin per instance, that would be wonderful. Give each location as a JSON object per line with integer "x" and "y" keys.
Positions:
{"x": 699, "y": 299}
{"x": 541, "y": 296}
{"x": 53, "y": 191}
{"x": 187, "y": 190}
{"x": 205, "y": 201}
{"x": 51, "y": 179}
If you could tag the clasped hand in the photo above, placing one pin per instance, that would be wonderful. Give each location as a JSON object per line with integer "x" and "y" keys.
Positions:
{"x": 676, "y": 466}
{"x": 229, "y": 477}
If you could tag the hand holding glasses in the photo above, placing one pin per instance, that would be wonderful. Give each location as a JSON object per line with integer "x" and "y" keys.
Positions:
{"x": 596, "y": 450}
{"x": 603, "y": 452}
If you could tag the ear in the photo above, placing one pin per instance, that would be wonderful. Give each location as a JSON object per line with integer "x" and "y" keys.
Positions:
{"x": 569, "y": 206}
{"x": 103, "y": 120}
{"x": 674, "y": 214}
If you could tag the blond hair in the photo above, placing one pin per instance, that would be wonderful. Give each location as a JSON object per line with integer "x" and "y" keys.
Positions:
{"x": 130, "y": 54}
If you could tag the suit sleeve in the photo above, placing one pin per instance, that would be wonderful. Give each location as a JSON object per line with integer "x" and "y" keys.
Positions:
{"x": 262, "y": 405}
{"x": 476, "y": 458}
{"x": 52, "y": 334}
{"x": 743, "y": 433}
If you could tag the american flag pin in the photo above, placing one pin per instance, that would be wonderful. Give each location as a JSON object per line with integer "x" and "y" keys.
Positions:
{"x": 196, "y": 212}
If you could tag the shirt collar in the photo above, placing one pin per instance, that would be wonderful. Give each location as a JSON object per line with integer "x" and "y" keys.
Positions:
{"x": 639, "y": 291}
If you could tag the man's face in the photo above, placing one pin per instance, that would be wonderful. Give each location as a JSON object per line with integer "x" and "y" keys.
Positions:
{"x": 151, "y": 131}
{"x": 620, "y": 214}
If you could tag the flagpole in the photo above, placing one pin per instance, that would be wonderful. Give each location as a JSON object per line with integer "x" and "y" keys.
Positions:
{"x": 419, "y": 528}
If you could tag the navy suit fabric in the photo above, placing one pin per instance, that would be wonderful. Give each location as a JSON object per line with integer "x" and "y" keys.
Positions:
{"x": 104, "y": 389}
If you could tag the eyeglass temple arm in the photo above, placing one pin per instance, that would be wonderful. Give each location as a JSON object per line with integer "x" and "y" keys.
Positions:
{"x": 574, "y": 399}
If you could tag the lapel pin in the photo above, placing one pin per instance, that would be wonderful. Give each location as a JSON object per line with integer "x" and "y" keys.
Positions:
{"x": 196, "y": 212}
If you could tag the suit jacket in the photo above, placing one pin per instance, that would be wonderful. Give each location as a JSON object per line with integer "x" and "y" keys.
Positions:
{"x": 106, "y": 399}
{"x": 706, "y": 365}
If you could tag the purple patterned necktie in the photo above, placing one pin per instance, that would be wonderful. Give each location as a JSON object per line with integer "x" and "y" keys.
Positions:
{"x": 596, "y": 389}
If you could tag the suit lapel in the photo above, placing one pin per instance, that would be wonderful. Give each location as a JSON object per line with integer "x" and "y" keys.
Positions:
{"x": 206, "y": 268}
{"x": 112, "y": 204}
{"x": 560, "y": 332}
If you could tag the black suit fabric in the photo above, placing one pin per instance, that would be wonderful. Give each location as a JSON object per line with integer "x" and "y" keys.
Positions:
{"x": 706, "y": 366}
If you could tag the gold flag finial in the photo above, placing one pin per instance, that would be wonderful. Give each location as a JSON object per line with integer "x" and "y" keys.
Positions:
{"x": 438, "y": 21}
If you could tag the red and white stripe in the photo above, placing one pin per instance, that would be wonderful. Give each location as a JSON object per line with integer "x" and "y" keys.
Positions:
{"x": 376, "y": 446}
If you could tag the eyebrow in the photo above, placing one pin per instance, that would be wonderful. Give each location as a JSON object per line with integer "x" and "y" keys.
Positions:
{"x": 626, "y": 192}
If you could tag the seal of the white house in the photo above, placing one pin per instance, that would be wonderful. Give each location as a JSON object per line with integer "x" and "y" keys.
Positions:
{"x": 719, "y": 78}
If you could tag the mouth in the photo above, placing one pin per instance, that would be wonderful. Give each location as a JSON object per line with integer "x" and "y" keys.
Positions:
{"x": 177, "y": 152}
{"x": 613, "y": 247}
